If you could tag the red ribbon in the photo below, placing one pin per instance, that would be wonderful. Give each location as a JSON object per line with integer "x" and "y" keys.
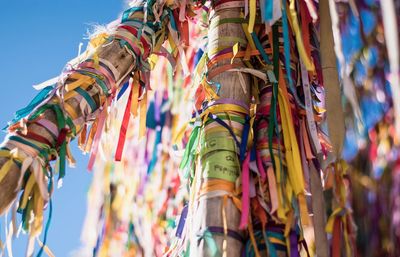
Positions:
{"x": 62, "y": 136}
{"x": 124, "y": 128}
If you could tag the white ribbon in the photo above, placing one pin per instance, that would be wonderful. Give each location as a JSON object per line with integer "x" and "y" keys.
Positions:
{"x": 392, "y": 46}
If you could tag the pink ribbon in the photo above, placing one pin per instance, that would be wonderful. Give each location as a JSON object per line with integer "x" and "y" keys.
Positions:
{"x": 260, "y": 166}
{"x": 97, "y": 136}
{"x": 245, "y": 193}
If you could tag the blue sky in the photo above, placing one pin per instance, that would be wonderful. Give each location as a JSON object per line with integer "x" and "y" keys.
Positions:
{"x": 37, "y": 37}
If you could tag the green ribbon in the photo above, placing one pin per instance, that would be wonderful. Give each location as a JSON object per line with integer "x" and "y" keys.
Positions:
{"x": 42, "y": 151}
{"x": 273, "y": 127}
{"x": 61, "y": 122}
{"x": 210, "y": 144}
{"x": 211, "y": 244}
{"x": 190, "y": 149}
{"x": 99, "y": 80}
{"x": 228, "y": 118}
{"x": 222, "y": 165}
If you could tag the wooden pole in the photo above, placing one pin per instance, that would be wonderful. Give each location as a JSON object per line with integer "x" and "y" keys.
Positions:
{"x": 11, "y": 183}
{"x": 335, "y": 118}
{"x": 333, "y": 94}
{"x": 319, "y": 217}
{"x": 208, "y": 212}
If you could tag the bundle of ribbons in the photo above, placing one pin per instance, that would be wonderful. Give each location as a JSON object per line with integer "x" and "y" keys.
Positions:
{"x": 218, "y": 110}
{"x": 133, "y": 204}
{"x": 370, "y": 69}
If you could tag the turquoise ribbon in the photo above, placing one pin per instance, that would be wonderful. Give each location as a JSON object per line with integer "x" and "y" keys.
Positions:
{"x": 211, "y": 244}
{"x": 271, "y": 248}
{"x": 172, "y": 19}
{"x": 266, "y": 10}
{"x": 127, "y": 13}
{"x": 36, "y": 101}
{"x": 87, "y": 97}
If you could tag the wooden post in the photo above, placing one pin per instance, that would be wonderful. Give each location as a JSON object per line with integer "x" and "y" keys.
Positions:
{"x": 319, "y": 217}
{"x": 335, "y": 118}
{"x": 11, "y": 183}
{"x": 208, "y": 212}
{"x": 333, "y": 93}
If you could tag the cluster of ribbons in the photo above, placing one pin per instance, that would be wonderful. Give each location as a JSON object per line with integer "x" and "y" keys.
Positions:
{"x": 220, "y": 146}
{"x": 222, "y": 138}
{"x": 77, "y": 104}
{"x": 254, "y": 156}
{"x": 133, "y": 203}
{"x": 368, "y": 36}
{"x": 340, "y": 222}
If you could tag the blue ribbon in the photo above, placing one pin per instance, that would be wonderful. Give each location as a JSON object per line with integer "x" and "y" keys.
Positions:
{"x": 266, "y": 10}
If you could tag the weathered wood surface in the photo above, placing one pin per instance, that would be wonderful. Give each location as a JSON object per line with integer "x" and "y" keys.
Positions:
{"x": 336, "y": 128}
{"x": 209, "y": 210}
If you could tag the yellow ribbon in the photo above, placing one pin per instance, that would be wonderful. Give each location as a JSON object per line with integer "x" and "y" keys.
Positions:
{"x": 135, "y": 95}
{"x": 143, "y": 111}
{"x": 252, "y": 15}
{"x": 38, "y": 204}
{"x": 252, "y": 238}
{"x": 299, "y": 41}
{"x": 27, "y": 191}
{"x": 292, "y": 157}
{"x": 80, "y": 80}
{"x": 11, "y": 155}
{"x": 291, "y": 147}
{"x": 211, "y": 93}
